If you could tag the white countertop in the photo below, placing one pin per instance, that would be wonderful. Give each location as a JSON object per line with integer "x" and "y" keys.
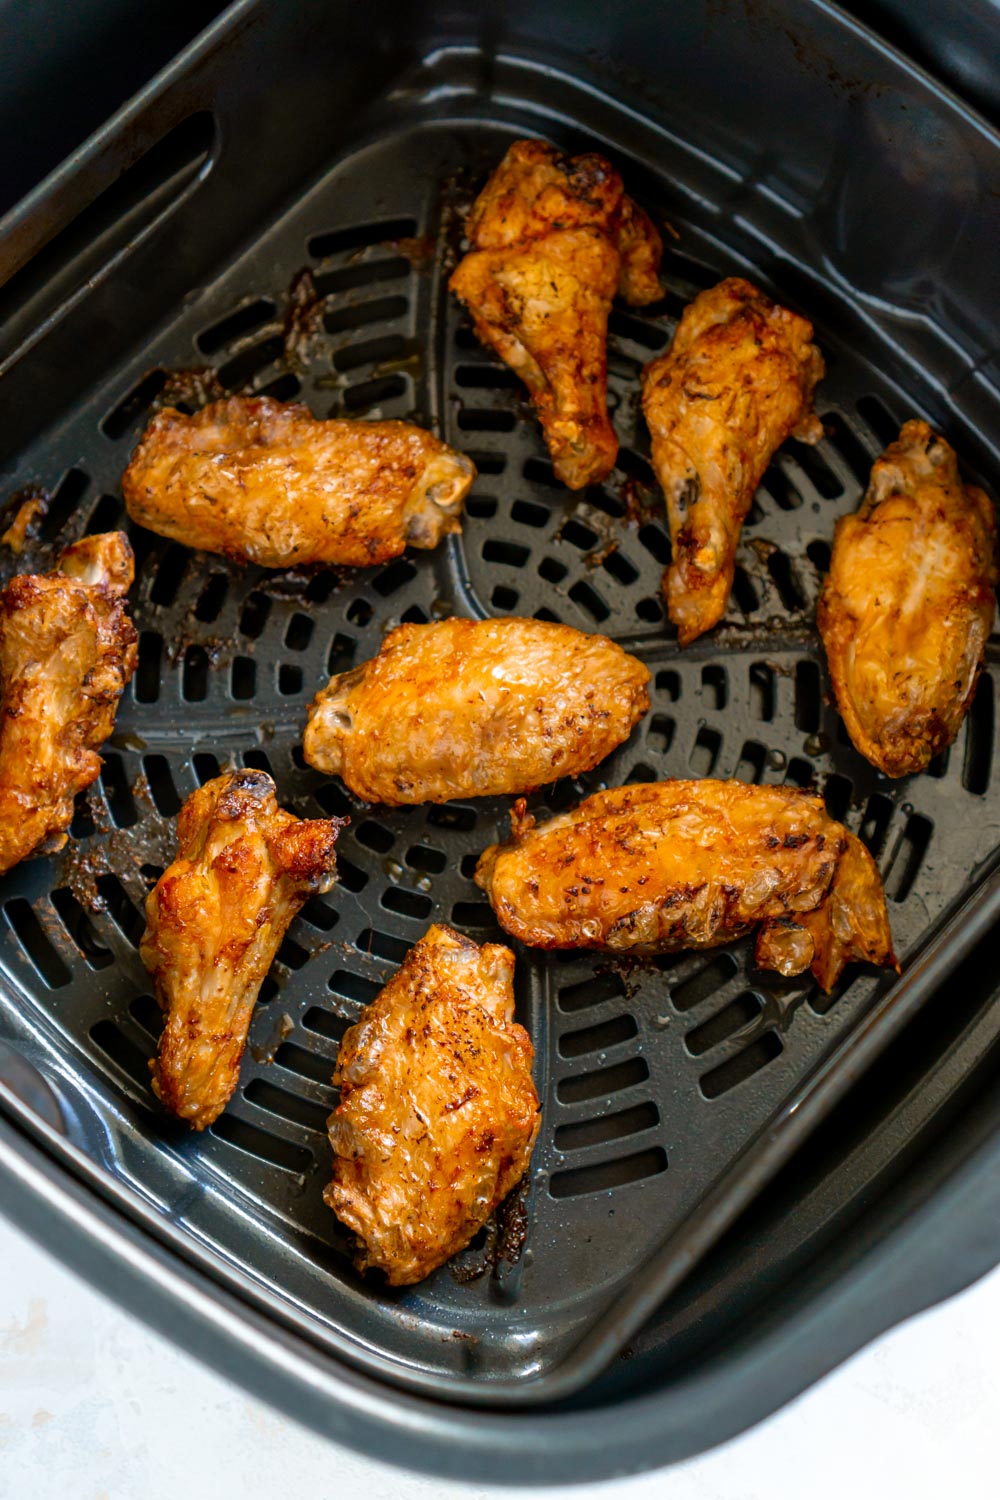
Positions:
{"x": 95, "y": 1407}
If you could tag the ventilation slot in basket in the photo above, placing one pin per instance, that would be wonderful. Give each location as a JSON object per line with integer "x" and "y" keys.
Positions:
{"x": 741, "y": 1067}
{"x": 261, "y": 1143}
{"x": 35, "y": 944}
{"x": 623, "y": 1075}
{"x": 603, "y": 1177}
{"x": 618, "y": 1126}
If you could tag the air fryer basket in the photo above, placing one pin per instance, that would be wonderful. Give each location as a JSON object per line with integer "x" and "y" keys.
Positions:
{"x": 657, "y": 1079}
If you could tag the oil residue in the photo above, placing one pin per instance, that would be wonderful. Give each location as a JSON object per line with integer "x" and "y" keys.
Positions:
{"x": 303, "y": 318}
{"x": 21, "y": 549}
{"x": 30, "y": 506}
{"x": 282, "y": 1028}
{"x": 506, "y": 1233}
{"x": 129, "y": 854}
{"x": 190, "y": 388}
{"x": 418, "y": 249}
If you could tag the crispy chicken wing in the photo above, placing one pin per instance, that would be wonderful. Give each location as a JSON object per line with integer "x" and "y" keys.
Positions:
{"x": 690, "y": 864}
{"x": 908, "y": 604}
{"x": 215, "y": 920}
{"x": 438, "y": 1112}
{"x": 466, "y": 708}
{"x": 737, "y": 380}
{"x": 67, "y": 651}
{"x": 553, "y": 238}
{"x": 264, "y": 482}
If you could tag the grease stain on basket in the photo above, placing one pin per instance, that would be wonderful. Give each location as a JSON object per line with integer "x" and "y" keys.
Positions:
{"x": 31, "y": 507}
{"x": 264, "y": 1052}
{"x": 303, "y": 326}
{"x": 122, "y": 852}
{"x": 503, "y": 1239}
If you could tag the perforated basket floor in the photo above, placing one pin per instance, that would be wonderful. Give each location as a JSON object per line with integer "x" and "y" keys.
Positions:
{"x": 652, "y": 1078}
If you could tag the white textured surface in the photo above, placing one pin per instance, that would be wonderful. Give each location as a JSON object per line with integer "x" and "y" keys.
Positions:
{"x": 94, "y": 1407}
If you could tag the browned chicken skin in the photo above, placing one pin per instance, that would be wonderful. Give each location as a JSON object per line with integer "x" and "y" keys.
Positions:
{"x": 438, "y": 1112}
{"x": 553, "y": 239}
{"x": 908, "y": 604}
{"x": 667, "y": 865}
{"x": 215, "y": 920}
{"x": 67, "y": 651}
{"x": 466, "y": 708}
{"x": 265, "y": 482}
{"x": 737, "y": 380}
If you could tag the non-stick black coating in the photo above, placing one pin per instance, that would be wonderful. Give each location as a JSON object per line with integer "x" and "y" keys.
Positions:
{"x": 694, "y": 1066}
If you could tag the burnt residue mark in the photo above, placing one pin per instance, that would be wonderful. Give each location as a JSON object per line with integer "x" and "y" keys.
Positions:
{"x": 309, "y": 584}
{"x": 30, "y": 544}
{"x": 504, "y": 1236}
{"x": 762, "y": 549}
{"x": 626, "y": 967}
{"x": 456, "y": 196}
{"x": 512, "y": 1225}
{"x": 26, "y": 508}
{"x": 418, "y": 249}
{"x": 127, "y": 853}
{"x": 282, "y": 1028}
{"x": 303, "y": 325}
{"x": 220, "y": 649}
{"x": 190, "y": 388}
{"x": 765, "y": 20}
{"x": 638, "y": 499}
{"x": 600, "y": 554}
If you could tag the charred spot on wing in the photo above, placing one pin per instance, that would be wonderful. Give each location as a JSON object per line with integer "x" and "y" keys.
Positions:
{"x": 256, "y": 784}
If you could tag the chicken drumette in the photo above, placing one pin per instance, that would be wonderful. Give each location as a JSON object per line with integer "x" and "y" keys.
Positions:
{"x": 908, "y": 604}
{"x": 466, "y": 708}
{"x": 737, "y": 380}
{"x": 264, "y": 482}
{"x": 553, "y": 239}
{"x": 67, "y": 651}
{"x": 691, "y": 864}
{"x": 438, "y": 1112}
{"x": 215, "y": 920}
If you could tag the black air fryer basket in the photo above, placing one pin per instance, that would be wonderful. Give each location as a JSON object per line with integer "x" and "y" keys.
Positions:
{"x": 738, "y": 1180}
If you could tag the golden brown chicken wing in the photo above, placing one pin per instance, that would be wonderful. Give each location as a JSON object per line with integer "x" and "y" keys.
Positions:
{"x": 438, "y": 1112}
{"x": 553, "y": 238}
{"x": 737, "y": 380}
{"x": 67, "y": 651}
{"x": 466, "y": 708}
{"x": 690, "y": 864}
{"x": 215, "y": 920}
{"x": 851, "y": 924}
{"x": 908, "y": 604}
{"x": 264, "y": 482}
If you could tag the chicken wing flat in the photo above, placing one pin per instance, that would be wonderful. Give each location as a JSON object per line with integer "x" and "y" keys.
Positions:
{"x": 737, "y": 380}
{"x": 553, "y": 238}
{"x": 215, "y": 920}
{"x": 466, "y": 708}
{"x": 261, "y": 481}
{"x": 438, "y": 1112}
{"x": 908, "y": 603}
{"x": 67, "y": 651}
{"x": 667, "y": 865}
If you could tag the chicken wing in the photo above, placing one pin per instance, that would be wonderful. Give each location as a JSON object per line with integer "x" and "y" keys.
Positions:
{"x": 466, "y": 708}
{"x": 67, "y": 651}
{"x": 264, "y": 482}
{"x": 553, "y": 238}
{"x": 908, "y": 603}
{"x": 215, "y": 920}
{"x": 691, "y": 864}
{"x": 737, "y": 380}
{"x": 438, "y": 1112}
